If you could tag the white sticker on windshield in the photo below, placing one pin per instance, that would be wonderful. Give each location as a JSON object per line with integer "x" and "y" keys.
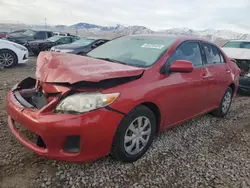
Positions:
{"x": 155, "y": 46}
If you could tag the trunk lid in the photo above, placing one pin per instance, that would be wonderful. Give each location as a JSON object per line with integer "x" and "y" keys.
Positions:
{"x": 54, "y": 67}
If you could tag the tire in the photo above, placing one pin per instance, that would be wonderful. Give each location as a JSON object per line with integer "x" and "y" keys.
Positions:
{"x": 11, "y": 56}
{"x": 225, "y": 104}
{"x": 120, "y": 149}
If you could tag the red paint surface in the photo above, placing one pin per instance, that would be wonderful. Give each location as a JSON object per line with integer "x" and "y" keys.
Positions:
{"x": 178, "y": 96}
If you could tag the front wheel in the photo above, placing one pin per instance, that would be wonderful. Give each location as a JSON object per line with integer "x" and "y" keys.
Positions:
{"x": 225, "y": 104}
{"x": 134, "y": 135}
{"x": 8, "y": 58}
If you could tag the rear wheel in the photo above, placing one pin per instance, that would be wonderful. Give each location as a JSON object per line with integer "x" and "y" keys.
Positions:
{"x": 8, "y": 58}
{"x": 134, "y": 135}
{"x": 225, "y": 104}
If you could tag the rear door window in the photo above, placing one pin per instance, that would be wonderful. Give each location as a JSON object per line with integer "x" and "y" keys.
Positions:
{"x": 213, "y": 54}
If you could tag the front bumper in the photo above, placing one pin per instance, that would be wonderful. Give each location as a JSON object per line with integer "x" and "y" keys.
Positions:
{"x": 244, "y": 84}
{"x": 96, "y": 130}
{"x": 23, "y": 56}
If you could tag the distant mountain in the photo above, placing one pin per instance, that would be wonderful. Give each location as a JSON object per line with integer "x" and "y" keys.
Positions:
{"x": 93, "y": 26}
{"x": 131, "y": 30}
{"x": 210, "y": 34}
{"x": 89, "y": 29}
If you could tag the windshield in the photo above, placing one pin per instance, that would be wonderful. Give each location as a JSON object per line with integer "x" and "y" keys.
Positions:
{"x": 137, "y": 51}
{"x": 29, "y": 33}
{"x": 83, "y": 41}
{"x": 54, "y": 38}
{"x": 237, "y": 44}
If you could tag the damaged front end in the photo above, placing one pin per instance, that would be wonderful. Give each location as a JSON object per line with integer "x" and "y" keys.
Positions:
{"x": 30, "y": 94}
{"x": 37, "y": 95}
{"x": 244, "y": 82}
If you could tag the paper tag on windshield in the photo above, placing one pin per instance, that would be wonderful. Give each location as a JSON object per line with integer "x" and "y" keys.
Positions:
{"x": 155, "y": 46}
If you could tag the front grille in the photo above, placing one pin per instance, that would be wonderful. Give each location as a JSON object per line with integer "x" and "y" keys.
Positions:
{"x": 72, "y": 144}
{"x": 32, "y": 137}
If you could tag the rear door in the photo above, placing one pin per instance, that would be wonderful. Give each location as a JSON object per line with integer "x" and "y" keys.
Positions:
{"x": 187, "y": 92}
{"x": 219, "y": 69}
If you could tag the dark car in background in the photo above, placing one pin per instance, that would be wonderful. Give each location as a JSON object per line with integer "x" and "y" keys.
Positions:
{"x": 28, "y": 35}
{"x": 80, "y": 47}
{"x": 45, "y": 45}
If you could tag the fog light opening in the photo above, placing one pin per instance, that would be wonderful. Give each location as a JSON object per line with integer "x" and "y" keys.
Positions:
{"x": 40, "y": 142}
{"x": 72, "y": 144}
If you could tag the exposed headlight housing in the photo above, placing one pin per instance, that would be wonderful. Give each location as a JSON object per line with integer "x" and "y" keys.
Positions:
{"x": 85, "y": 102}
{"x": 20, "y": 47}
{"x": 66, "y": 51}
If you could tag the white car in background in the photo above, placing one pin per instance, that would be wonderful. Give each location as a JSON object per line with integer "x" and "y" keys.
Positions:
{"x": 239, "y": 51}
{"x": 12, "y": 53}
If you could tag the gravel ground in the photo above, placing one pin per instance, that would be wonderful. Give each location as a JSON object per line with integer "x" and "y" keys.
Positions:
{"x": 205, "y": 152}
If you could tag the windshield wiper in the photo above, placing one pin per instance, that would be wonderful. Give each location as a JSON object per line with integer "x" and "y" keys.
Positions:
{"x": 110, "y": 60}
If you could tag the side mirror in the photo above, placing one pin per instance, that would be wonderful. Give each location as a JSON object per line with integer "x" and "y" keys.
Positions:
{"x": 182, "y": 66}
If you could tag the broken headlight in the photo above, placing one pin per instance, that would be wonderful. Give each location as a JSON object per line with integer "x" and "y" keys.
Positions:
{"x": 85, "y": 102}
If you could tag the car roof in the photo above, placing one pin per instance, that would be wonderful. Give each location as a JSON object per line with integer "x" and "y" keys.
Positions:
{"x": 179, "y": 38}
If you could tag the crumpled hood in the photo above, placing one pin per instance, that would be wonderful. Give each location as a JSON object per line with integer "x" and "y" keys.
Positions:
{"x": 237, "y": 53}
{"x": 57, "y": 67}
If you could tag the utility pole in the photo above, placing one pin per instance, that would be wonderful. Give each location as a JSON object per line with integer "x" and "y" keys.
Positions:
{"x": 45, "y": 23}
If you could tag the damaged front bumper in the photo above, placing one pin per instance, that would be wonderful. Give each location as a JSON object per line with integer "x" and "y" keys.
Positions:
{"x": 69, "y": 137}
{"x": 244, "y": 84}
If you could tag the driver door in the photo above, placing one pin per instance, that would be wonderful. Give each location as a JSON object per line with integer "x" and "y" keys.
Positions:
{"x": 187, "y": 93}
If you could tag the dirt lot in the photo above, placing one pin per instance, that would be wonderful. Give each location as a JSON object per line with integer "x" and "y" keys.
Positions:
{"x": 205, "y": 152}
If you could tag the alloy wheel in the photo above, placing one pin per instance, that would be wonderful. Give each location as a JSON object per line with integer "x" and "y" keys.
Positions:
{"x": 6, "y": 59}
{"x": 226, "y": 102}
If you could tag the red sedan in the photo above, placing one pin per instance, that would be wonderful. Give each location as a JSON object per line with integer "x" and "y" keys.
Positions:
{"x": 119, "y": 96}
{"x": 3, "y": 35}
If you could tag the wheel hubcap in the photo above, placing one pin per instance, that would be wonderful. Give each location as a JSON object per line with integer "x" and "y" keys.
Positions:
{"x": 137, "y": 135}
{"x": 6, "y": 59}
{"x": 226, "y": 102}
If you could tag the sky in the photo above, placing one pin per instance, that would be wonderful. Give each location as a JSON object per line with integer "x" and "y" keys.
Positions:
{"x": 154, "y": 14}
